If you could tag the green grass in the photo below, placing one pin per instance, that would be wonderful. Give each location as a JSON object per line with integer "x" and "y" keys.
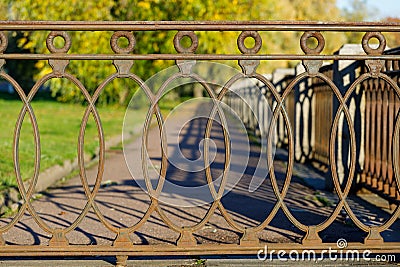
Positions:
{"x": 166, "y": 105}
{"x": 59, "y": 125}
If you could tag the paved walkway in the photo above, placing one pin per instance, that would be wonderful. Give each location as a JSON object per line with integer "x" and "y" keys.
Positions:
{"x": 122, "y": 202}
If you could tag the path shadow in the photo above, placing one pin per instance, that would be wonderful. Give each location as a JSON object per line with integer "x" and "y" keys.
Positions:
{"x": 124, "y": 203}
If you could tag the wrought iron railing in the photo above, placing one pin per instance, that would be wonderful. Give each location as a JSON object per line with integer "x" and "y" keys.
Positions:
{"x": 328, "y": 124}
{"x": 373, "y": 110}
{"x": 381, "y": 107}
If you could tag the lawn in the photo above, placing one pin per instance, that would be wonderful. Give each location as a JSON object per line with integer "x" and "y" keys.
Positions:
{"x": 59, "y": 126}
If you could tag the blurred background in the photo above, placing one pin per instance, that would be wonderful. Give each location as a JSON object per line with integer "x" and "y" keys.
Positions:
{"x": 28, "y": 72}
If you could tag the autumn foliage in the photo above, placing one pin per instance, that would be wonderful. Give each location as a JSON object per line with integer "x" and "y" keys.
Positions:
{"x": 91, "y": 73}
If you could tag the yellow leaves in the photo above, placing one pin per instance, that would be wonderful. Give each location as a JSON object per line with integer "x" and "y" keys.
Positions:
{"x": 44, "y": 69}
{"x": 144, "y": 4}
{"x": 21, "y": 42}
{"x": 40, "y": 64}
{"x": 61, "y": 10}
{"x": 159, "y": 63}
{"x": 91, "y": 72}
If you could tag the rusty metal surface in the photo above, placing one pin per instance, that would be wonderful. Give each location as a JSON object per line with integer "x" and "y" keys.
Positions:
{"x": 382, "y": 109}
{"x": 323, "y": 111}
{"x": 200, "y": 25}
{"x": 380, "y": 104}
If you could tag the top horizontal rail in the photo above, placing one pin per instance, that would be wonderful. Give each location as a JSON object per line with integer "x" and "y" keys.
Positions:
{"x": 62, "y": 56}
{"x": 199, "y": 25}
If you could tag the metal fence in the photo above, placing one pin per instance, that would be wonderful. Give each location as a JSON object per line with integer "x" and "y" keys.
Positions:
{"x": 372, "y": 111}
{"x": 293, "y": 101}
{"x": 381, "y": 107}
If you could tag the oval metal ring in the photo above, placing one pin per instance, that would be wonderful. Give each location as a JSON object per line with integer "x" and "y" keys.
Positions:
{"x": 312, "y": 34}
{"x": 257, "y": 39}
{"x": 177, "y": 42}
{"x": 50, "y": 42}
{"x": 122, "y": 50}
{"x": 373, "y": 51}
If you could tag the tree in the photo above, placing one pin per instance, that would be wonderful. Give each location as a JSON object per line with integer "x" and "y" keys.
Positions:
{"x": 90, "y": 72}
{"x": 357, "y": 11}
{"x": 23, "y": 73}
{"x": 392, "y": 38}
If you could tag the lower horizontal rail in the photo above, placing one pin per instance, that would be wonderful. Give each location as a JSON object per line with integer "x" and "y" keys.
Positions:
{"x": 204, "y": 249}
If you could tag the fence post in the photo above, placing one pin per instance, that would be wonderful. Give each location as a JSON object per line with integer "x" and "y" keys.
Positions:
{"x": 279, "y": 80}
{"x": 345, "y": 72}
{"x": 301, "y": 114}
